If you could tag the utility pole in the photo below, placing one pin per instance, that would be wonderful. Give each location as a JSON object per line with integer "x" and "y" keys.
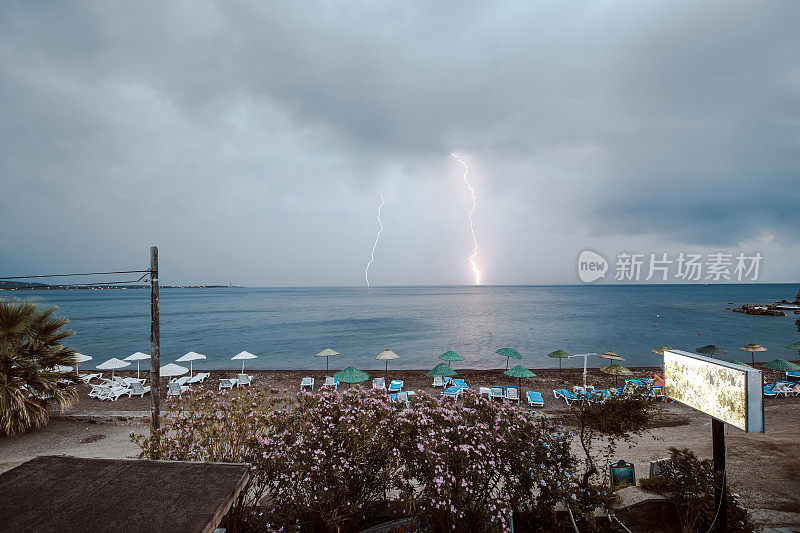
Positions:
{"x": 155, "y": 345}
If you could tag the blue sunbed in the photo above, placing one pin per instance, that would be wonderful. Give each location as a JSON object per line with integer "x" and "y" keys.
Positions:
{"x": 535, "y": 399}
{"x": 452, "y": 391}
{"x": 396, "y": 385}
{"x": 460, "y": 383}
{"x": 567, "y": 395}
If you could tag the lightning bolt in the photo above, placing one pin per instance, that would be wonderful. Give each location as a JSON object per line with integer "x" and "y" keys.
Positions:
{"x": 473, "y": 257}
{"x": 375, "y": 244}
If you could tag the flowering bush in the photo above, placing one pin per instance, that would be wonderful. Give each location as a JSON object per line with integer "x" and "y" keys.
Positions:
{"x": 330, "y": 457}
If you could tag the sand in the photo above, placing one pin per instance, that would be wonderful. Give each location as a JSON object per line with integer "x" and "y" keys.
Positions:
{"x": 762, "y": 468}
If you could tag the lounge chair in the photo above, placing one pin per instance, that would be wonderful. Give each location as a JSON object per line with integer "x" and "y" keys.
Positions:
{"x": 176, "y": 389}
{"x": 379, "y": 383}
{"x": 633, "y": 384}
{"x": 512, "y": 393}
{"x": 598, "y": 395}
{"x": 307, "y": 382}
{"x": 535, "y": 399}
{"x": 657, "y": 391}
{"x": 787, "y": 388}
{"x": 138, "y": 389}
{"x": 98, "y": 391}
{"x": 87, "y": 378}
{"x": 566, "y": 395}
{"x": 227, "y": 383}
{"x": 400, "y": 398}
{"x": 452, "y": 392}
{"x": 438, "y": 381}
{"x": 487, "y": 391}
{"x": 112, "y": 393}
{"x": 793, "y": 375}
{"x": 396, "y": 385}
{"x": 331, "y": 381}
{"x": 769, "y": 392}
{"x": 497, "y": 392}
{"x": 460, "y": 383}
{"x": 197, "y": 378}
{"x": 183, "y": 380}
{"x": 244, "y": 380}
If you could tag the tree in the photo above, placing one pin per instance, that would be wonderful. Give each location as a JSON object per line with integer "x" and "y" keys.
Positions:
{"x": 31, "y": 350}
{"x": 797, "y": 298}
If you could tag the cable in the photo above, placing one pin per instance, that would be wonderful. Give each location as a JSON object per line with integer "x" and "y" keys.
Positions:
{"x": 724, "y": 496}
{"x": 79, "y": 274}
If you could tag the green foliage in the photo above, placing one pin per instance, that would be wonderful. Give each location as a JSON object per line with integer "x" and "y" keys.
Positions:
{"x": 30, "y": 349}
{"x": 689, "y": 484}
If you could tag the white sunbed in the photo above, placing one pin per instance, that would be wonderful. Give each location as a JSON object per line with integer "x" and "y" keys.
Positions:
{"x": 402, "y": 398}
{"x": 183, "y": 380}
{"x": 227, "y": 383}
{"x": 331, "y": 382}
{"x": 307, "y": 382}
{"x": 176, "y": 389}
{"x": 197, "y": 378}
{"x": 379, "y": 383}
{"x": 497, "y": 392}
{"x": 244, "y": 380}
{"x": 112, "y": 393}
{"x": 138, "y": 389}
{"x": 438, "y": 381}
{"x": 485, "y": 391}
{"x": 87, "y": 378}
{"x": 512, "y": 394}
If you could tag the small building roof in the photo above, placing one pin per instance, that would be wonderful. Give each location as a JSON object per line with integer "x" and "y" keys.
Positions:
{"x": 60, "y": 493}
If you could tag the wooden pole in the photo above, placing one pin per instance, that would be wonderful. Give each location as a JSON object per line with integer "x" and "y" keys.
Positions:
{"x": 720, "y": 501}
{"x": 155, "y": 345}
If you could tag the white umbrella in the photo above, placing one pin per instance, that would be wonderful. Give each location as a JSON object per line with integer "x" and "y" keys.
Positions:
{"x": 171, "y": 370}
{"x": 80, "y": 358}
{"x": 189, "y": 357}
{"x": 138, "y": 356}
{"x": 243, "y": 356}
{"x": 112, "y": 364}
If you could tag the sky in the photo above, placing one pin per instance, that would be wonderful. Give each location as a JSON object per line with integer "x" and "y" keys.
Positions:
{"x": 250, "y": 140}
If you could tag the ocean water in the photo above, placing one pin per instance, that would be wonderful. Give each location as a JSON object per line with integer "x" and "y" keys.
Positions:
{"x": 285, "y": 327}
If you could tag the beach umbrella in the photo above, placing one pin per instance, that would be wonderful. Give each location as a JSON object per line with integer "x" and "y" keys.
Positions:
{"x": 735, "y": 362}
{"x": 190, "y": 358}
{"x": 80, "y": 358}
{"x": 138, "y": 356}
{"x": 327, "y": 352}
{"x": 172, "y": 370}
{"x": 559, "y": 354}
{"x": 782, "y": 365}
{"x": 508, "y": 353}
{"x": 243, "y": 356}
{"x": 711, "y": 350}
{"x": 386, "y": 355}
{"x": 519, "y": 372}
{"x": 611, "y": 356}
{"x": 113, "y": 364}
{"x": 442, "y": 370}
{"x": 753, "y": 348}
{"x": 660, "y": 351}
{"x": 795, "y": 346}
{"x": 616, "y": 371}
{"x": 351, "y": 375}
{"x": 62, "y": 369}
{"x": 450, "y": 356}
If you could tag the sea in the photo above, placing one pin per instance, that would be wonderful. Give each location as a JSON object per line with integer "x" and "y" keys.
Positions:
{"x": 285, "y": 327}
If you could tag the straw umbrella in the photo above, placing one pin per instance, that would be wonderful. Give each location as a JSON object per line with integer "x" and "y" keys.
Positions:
{"x": 386, "y": 355}
{"x": 243, "y": 356}
{"x": 660, "y": 351}
{"x": 559, "y": 354}
{"x": 113, "y": 364}
{"x": 781, "y": 365}
{"x": 752, "y": 348}
{"x": 327, "y": 352}
{"x": 189, "y": 358}
{"x": 450, "y": 356}
{"x": 441, "y": 370}
{"x": 351, "y": 375}
{"x": 138, "y": 357}
{"x": 711, "y": 350}
{"x": 616, "y": 371}
{"x": 80, "y": 358}
{"x": 611, "y": 356}
{"x": 519, "y": 372}
{"x": 508, "y": 353}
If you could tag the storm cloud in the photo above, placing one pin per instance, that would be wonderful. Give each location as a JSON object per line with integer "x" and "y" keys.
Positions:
{"x": 250, "y": 140}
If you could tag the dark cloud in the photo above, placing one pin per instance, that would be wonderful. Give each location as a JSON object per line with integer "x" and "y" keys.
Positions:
{"x": 265, "y": 130}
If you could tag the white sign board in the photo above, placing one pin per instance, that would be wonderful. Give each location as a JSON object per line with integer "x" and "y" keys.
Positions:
{"x": 729, "y": 392}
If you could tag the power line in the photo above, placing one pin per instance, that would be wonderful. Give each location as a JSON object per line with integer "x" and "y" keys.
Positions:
{"x": 80, "y": 274}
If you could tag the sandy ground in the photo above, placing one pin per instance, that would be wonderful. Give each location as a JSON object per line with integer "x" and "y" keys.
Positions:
{"x": 763, "y": 469}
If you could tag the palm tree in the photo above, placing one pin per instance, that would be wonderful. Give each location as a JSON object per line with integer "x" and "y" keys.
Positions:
{"x": 30, "y": 355}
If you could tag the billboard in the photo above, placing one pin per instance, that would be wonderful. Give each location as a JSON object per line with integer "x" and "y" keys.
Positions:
{"x": 726, "y": 391}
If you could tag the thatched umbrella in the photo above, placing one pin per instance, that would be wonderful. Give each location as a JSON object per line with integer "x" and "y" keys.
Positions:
{"x": 660, "y": 351}
{"x": 611, "y": 356}
{"x": 450, "y": 356}
{"x": 508, "y": 353}
{"x": 752, "y": 348}
{"x": 327, "y": 352}
{"x": 782, "y": 365}
{"x": 795, "y": 346}
{"x": 559, "y": 354}
{"x": 442, "y": 370}
{"x": 519, "y": 372}
{"x": 386, "y": 355}
{"x": 351, "y": 375}
{"x": 711, "y": 350}
{"x": 616, "y": 371}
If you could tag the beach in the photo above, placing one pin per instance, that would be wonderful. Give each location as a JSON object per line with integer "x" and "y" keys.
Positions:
{"x": 762, "y": 468}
